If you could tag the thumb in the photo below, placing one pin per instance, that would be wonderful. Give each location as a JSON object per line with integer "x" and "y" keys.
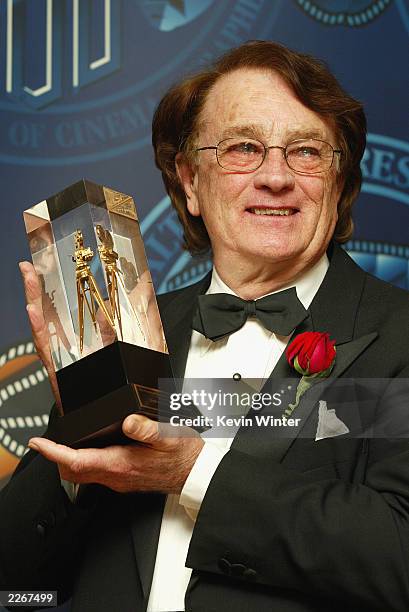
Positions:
{"x": 140, "y": 428}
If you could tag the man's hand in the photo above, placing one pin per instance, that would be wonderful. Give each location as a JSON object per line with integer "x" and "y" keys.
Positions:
{"x": 159, "y": 463}
{"x": 39, "y": 328}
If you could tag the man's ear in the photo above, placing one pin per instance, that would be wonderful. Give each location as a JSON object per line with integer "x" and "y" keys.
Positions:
{"x": 187, "y": 176}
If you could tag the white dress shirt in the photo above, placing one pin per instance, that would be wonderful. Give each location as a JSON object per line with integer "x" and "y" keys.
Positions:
{"x": 253, "y": 352}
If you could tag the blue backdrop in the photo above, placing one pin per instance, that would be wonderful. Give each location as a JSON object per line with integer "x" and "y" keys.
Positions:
{"x": 79, "y": 80}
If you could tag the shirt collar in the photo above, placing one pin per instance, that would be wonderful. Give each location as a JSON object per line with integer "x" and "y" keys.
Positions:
{"x": 306, "y": 285}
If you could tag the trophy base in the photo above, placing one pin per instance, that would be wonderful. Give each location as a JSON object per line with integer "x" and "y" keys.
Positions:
{"x": 101, "y": 390}
{"x": 99, "y": 423}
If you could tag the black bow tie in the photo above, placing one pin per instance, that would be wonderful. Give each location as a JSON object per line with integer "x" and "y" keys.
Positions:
{"x": 221, "y": 314}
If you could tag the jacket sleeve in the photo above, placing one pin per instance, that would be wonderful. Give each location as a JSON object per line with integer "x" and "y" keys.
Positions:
{"x": 40, "y": 529}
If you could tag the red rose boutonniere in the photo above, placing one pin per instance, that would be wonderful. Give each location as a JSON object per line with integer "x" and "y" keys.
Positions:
{"x": 312, "y": 354}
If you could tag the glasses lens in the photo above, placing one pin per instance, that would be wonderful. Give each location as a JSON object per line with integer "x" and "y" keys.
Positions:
{"x": 240, "y": 154}
{"x": 309, "y": 156}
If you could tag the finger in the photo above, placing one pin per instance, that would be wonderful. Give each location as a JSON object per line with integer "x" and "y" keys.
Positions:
{"x": 53, "y": 451}
{"x": 33, "y": 291}
{"x": 36, "y": 318}
{"x": 40, "y": 336}
{"x": 79, "y": 463}
{"x": 39, "y": 329}
{"x": 32, "y": 285}
{"x": 140, "y": 428}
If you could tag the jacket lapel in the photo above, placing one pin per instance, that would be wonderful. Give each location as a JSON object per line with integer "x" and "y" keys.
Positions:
{"x": 349, "y": 351}
{"x": 262, "y": 444}
{"x": 333, "y": 310}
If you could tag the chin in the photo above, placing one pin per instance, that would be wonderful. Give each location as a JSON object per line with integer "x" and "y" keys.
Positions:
{"x": 274, "y": 252}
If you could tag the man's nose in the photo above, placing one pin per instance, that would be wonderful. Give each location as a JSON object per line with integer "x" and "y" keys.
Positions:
{"x": 274, "y": 172}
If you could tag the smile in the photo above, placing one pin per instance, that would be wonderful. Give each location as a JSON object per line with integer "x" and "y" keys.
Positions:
{"x": 273, "y": 211}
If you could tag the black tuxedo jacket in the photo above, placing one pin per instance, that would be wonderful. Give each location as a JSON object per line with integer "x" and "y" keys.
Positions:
{"x": 288, "y": 524}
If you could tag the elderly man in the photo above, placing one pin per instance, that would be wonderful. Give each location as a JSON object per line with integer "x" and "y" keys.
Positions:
{"x": 260, "y": 155}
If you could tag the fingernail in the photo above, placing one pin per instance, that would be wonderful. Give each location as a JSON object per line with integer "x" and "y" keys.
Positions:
{"x": 131, "y": 424}
{"x": 33, "y": 446}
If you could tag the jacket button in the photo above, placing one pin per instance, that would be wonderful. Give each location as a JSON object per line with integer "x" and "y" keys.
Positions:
{"x": 237, "y": 569}
{"x": 249, "y": 574}
{"x": 225, "y": 566}
{"x": 44, "y": 523}
{"x": 41, "y": 528}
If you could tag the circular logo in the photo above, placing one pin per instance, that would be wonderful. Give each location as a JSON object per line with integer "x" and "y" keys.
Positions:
{"x": 91, "y": 92}
{"x": 385, "y": 168}
{"x": 25, "y": 400}
{"x": 171, "y": 268}
{"x": 344, "y": 12}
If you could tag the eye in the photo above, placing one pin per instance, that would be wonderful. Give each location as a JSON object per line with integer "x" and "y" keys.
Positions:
{"x": 246, "y": 147}
{"x": 241, "y": 147}
{"x": 304, "y": 152}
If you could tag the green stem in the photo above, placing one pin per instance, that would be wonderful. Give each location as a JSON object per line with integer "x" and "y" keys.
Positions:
{"x": 305, "y": 383}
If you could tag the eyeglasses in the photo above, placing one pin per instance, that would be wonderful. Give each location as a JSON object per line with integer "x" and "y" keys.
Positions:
{"x": 308, "y": 156}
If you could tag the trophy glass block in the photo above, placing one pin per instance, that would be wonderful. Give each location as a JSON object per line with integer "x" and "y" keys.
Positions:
{"x": 106, "y": 336}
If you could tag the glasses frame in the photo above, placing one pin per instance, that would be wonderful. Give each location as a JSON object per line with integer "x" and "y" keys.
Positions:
{"x": 267, "y": 148}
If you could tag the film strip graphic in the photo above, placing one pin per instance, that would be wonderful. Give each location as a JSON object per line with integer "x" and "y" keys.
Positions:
{"x": 24, "y": 397}
{"x": 378, "y": 248}
{"x": 192, "y": 272}
{"x": 387, "y": 261}
{"x": 344, "y": 13}
{"x": 6, "y": 437}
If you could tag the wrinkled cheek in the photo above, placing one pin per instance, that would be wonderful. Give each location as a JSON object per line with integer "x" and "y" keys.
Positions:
{"x": 330, "y": 197}
{"x": 327, "y": 210}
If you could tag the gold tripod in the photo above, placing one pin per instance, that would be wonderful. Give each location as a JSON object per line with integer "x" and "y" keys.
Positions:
{"x": 109, "y": 257}
{"x": 85, "y": 281}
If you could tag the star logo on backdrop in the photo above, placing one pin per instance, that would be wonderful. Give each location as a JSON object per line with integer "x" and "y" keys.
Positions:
{"x": 168, "y": 15}
{"x": 179, "y": 5}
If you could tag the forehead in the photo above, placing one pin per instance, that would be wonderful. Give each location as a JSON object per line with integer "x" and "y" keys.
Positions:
{"x": 259, "y": 102}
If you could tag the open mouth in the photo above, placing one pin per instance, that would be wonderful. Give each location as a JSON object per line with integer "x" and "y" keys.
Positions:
{"x": 272, "y": 212}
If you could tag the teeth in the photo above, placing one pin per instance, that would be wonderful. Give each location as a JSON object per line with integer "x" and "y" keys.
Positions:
{"x": 271, "y": 211}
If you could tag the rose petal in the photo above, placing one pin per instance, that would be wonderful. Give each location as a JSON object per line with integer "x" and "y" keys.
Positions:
{"x": 319, "y": 357}
{"x": 315, "y": 351}
{"x": 294, "y": 347}
{"x": 307, "y": 351}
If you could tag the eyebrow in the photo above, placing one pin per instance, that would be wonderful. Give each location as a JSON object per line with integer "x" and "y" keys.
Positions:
{"x": 306, "y": 133}
{"x": 250, "y": 130}
{"x": 256, "y": 131}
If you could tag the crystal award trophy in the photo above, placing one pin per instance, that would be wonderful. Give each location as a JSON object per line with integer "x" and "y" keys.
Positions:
{"x": 106, "y": 336}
